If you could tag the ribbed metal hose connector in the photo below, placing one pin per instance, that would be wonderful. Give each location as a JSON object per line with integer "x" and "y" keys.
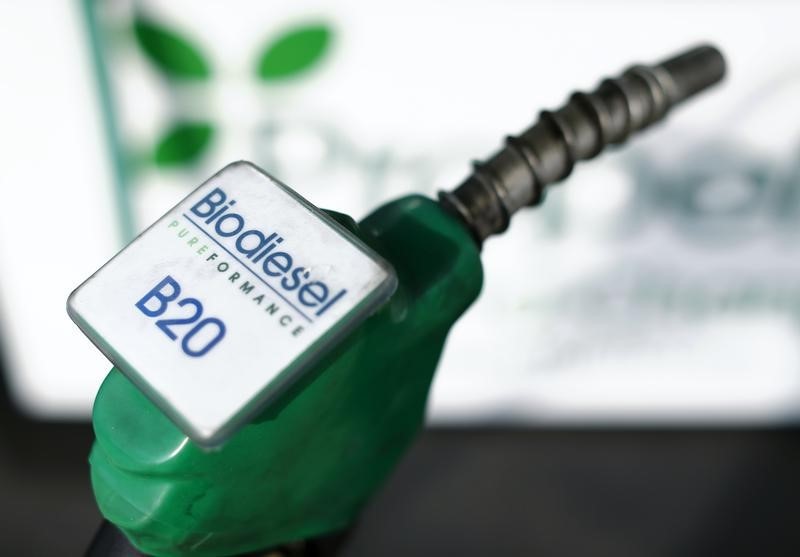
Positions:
{"x": 518, "y": 175}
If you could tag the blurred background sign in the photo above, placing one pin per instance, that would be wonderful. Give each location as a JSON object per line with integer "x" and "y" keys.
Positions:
{"x": 658, "y": 284}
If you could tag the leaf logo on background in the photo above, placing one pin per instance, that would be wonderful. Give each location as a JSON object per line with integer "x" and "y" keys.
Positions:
{"x": 293, "y": 53}
{"x": 174, "y": 55}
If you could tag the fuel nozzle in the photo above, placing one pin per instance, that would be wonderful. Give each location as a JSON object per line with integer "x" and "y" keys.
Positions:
{"x": 356, "y": 389}
{"x": 518, "y": 175}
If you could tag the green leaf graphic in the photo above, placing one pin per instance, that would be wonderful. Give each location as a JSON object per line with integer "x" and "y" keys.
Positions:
{"x": 174, "y": 55}
{"x": 294, "y": 52}
{"x": 183, "y": 143}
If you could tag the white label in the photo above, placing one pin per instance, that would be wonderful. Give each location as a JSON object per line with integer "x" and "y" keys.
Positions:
{"x": 228, "y": 298}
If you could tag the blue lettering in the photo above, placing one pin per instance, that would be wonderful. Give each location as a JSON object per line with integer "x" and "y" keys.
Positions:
{"x": 206, "y": 206}
{"x": 219, "y": 227}
{"x": 277, "y": 264}
{"x": 257, "y": 247}
{"x": 251, "y": 250}
{"x": 293, "y": 281}
{"x": 214, "y": 328}
{"x": 313, "y": 293}
{"x": 157, "y": 294}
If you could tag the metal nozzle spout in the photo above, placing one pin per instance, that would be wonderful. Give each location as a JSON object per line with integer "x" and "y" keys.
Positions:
{"x": 694, "y": 70}
{"x": 518, "y": 174}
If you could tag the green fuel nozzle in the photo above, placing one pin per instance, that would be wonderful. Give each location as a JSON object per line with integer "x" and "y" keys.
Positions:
{"x": 307, "y": 464}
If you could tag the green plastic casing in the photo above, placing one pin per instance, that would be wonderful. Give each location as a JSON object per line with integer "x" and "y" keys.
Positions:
{"x": 309, "y": 463}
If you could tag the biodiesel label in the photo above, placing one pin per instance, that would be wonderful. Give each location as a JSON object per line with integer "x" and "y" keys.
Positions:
{"x": 229, "y": 298}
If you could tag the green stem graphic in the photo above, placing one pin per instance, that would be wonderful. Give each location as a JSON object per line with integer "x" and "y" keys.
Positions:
{"x": 111, "y": 130}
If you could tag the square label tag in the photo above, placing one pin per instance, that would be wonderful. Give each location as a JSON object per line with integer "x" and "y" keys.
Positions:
{"x": 228, "y": 299}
